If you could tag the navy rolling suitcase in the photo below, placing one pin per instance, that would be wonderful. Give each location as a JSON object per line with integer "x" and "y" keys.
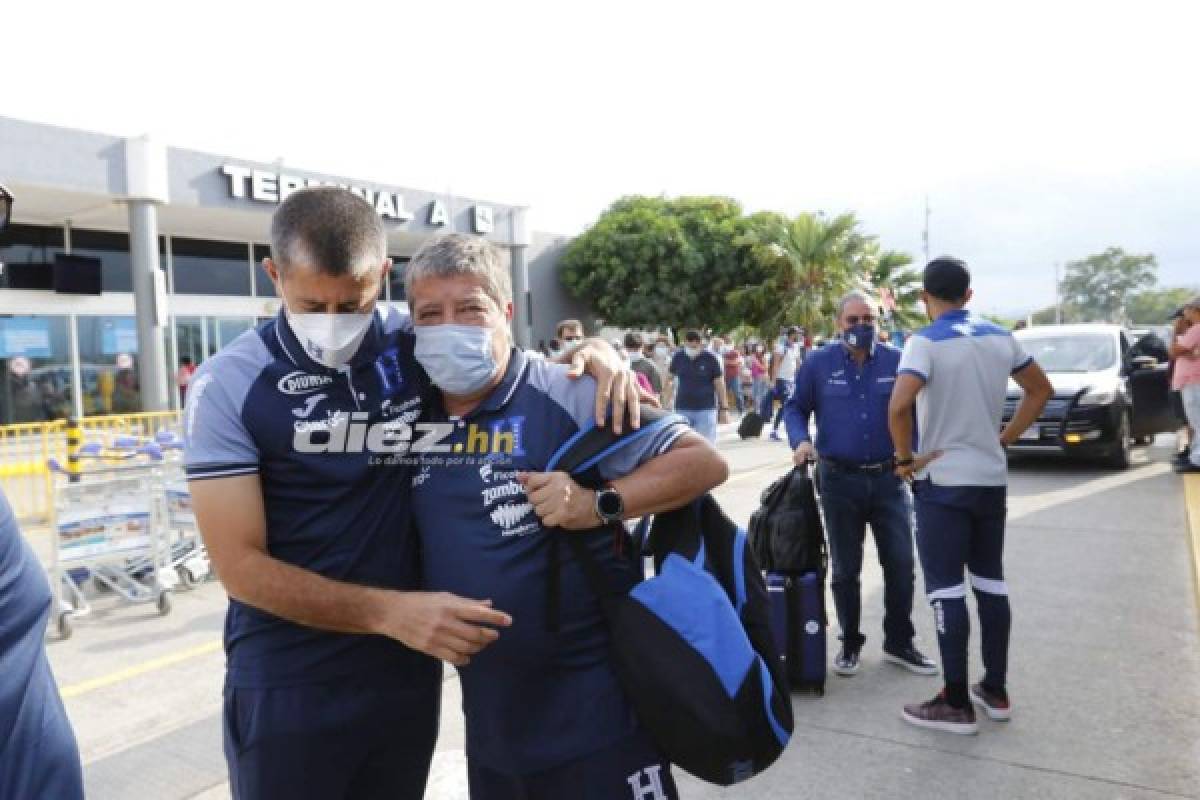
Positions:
{"x": 797, "y": 614}
{"x": 806, "y": 650}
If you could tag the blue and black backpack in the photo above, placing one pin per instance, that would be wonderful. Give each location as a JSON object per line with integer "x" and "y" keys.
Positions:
{"x": 692, "y": 645}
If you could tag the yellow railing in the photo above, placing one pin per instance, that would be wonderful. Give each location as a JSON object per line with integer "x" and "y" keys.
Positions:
{"x": 26, "y": 447}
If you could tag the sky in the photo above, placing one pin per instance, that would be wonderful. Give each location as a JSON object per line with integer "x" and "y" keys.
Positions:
{"x": 1040, "y": 132}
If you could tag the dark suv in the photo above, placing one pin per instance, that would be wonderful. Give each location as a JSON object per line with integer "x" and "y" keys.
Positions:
{"x": 1106, "y": 395}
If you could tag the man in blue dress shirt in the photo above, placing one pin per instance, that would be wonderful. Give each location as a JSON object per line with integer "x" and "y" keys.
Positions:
{"x": 847, "y": 384}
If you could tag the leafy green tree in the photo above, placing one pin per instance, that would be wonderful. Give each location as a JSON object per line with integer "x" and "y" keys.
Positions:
{"x": 808, "y": 261}
{"x": 1101, "y": 285}
{"x": 1155, "y": 306}
{"x": 653, "y": 261}
{"x": 892, "y": 271}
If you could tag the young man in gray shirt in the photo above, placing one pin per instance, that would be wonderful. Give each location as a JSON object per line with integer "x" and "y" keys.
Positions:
{"x": 955, "y": 373}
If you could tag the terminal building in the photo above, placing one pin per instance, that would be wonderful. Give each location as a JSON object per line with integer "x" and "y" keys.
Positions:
{"x": 126, "y": 256}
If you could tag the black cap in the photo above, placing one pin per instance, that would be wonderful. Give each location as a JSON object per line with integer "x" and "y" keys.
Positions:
{"x": 1178, "y": 313}
{"x": 693, "y": 336}
{"x": 795, "y": 329}
{"x": 947, "y": 279}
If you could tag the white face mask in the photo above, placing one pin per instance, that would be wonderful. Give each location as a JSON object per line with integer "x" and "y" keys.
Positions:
{"x": 661, "y": 351}
{"x": 692, "y": 352}
{"x": 330, "y": 339}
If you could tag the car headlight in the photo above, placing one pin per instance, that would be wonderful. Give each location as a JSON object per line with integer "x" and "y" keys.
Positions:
{"x": 1094, "y": 397}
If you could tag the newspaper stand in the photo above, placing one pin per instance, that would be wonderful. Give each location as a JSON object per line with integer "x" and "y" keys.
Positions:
{"x": 110, "y": 523}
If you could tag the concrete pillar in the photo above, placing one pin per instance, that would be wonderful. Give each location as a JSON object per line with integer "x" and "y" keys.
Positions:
{"x": 145, "y": 188}
{"x": 522, "y": 299}
{"x": 148, "y": 297}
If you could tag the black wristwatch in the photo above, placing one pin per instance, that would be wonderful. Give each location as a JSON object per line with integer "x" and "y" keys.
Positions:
{"x": 906, "y": 462}
{"x": 610, "y": 507}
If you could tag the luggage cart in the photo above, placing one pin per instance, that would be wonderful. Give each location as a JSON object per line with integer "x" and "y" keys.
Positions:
{"x": 187, "y": 554}
{"x": 109, "y": 523}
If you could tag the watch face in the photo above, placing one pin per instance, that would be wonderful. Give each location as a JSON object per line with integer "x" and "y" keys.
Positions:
{"x": 609, "y": 503}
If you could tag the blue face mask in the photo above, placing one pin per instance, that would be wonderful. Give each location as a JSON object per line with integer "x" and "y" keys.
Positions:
{"x": 458, "y": 358}
{"x": 860, "y": 336}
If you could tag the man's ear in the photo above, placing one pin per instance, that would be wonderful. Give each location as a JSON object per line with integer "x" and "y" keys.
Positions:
{"x": 969, "y": 295}
{"x": 508, "y": 311}
{"x": 272, "y": 270}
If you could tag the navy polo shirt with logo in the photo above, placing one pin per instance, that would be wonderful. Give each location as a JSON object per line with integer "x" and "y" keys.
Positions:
{"x": 535, "y": 699}
{"x": 333, "y": 505}
{"x": 695, "y": 378}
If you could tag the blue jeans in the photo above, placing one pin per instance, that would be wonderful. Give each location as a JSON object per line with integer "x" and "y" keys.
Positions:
{"x": 783, "y": 391}
{"x": 851, "y": 500}
{"x": 703, "y": 422}
{"x": 733, "y": 388}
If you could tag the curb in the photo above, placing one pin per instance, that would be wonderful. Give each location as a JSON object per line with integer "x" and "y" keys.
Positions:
{"x": 1191, "y": 494}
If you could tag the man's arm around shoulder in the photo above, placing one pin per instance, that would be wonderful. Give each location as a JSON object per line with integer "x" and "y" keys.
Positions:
{"x": 229, "y": 512}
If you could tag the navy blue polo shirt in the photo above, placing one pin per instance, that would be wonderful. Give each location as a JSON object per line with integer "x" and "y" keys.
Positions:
{"x": 38, "y": 754}
{"x": 534, "y": 699}
{"x": 851, "y": 403}
{"x": 694, "y": 377}
{"x": 337, "y": 503}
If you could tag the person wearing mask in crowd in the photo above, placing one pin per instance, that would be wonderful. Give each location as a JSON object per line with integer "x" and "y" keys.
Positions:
{"x": 570, "y": 333}
{"x": 1186, "y": 380}
{"x": 732, "y": 364}
{"x": 545, "y": 714}
{"x": 555, "y": 349}
{"x": 787, "y": 357}
{"x": 701, "y": 385}
{"x": 661, "y": 356}
{"x": 955, "y": 373}
{"x": 333, "y": 647}
{"x": 760, "y": 386}
{"x": 847, "y": 385}
{"x": 643, "y": 366}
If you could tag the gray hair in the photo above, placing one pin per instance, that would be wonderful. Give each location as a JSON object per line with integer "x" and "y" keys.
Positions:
{"x": 461, "y": 254}
{"x": 857, "y": 294}
{"x": 336, "y": 231}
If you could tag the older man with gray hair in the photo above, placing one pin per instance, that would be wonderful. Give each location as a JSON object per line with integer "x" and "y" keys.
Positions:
{"x": 848, "y": 384}
{"x": 546, "y": 716}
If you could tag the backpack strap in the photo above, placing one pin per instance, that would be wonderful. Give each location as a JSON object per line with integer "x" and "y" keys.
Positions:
{"x": 579, "y": 454}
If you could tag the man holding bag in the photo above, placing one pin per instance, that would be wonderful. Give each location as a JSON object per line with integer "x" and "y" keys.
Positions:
{"x": 847, "y": 384}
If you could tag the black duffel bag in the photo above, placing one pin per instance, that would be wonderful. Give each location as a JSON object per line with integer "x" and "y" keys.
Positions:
{"x": 786, "y": 533}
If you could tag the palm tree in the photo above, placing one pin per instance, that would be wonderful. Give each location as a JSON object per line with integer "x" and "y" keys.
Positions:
{"x": 809, "y": 262}
{"x": 891, "y": 270}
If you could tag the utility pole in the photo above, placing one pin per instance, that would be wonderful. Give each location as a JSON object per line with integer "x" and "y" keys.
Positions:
{"x": 1057, "y": 297}
{"x": 925, "y": 235}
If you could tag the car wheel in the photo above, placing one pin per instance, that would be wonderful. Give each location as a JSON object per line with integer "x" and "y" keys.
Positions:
{"x": 1122, "y": 452}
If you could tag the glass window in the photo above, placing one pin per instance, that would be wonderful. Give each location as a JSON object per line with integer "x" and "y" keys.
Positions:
{"x": 29, "y": 247}
{"x": 113, "y": 251}
{"x": 223, "y": 330}
{"x": 203, "y": 267}
{"x": 35, "y": 369}
{"x": 263, "y": 285}
{"x": 108, "y": 354}
{"x": 396, "y": 278}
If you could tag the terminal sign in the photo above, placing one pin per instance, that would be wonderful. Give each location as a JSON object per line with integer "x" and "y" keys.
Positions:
{"x": 271, "y": 187}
